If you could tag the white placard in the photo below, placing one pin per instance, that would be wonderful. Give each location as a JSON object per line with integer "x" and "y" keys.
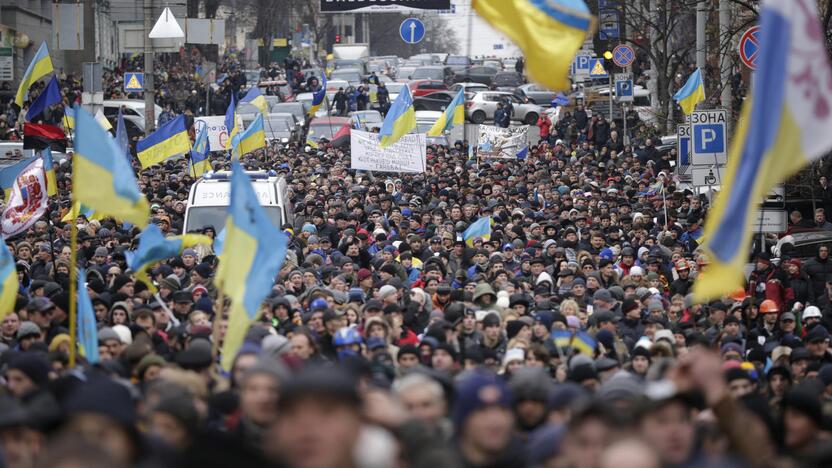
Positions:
{"x": 409, "y": 154}
{"x": 217, "y": 133}
{"x": 502, "y": 143}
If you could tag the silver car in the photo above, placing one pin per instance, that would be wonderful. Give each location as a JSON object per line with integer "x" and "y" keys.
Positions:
{"x": 482, "y": 106}
{"x": 366, "y": 119}
{"x": 538, "y": 94}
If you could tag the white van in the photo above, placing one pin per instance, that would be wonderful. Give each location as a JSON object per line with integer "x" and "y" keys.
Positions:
{"x": 210, "y": 195}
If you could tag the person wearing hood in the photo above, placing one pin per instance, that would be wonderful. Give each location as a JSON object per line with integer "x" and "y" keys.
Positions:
{"x": 485, "y": 298}
{"x": 819, "y": 268}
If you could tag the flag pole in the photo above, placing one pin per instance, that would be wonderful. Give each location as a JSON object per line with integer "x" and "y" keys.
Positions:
{"x": 215, "y": 332}
{"x": 73, "y": 293}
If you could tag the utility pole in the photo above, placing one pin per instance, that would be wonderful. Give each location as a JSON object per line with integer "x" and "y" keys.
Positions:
{"x": 726, "y": 49}
{"x": 701, "y": 19}
{"x": 149, "y": 88}
{"x": 653, "y": 73}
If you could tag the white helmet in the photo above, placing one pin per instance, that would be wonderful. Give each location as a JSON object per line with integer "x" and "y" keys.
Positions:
{"x": 811, "y": 311}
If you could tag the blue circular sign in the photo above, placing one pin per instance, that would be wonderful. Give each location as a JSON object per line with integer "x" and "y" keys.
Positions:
{"x": 412, "y": 30}
{"x": 750, "y": 47}
{"x": 623, "y": 55}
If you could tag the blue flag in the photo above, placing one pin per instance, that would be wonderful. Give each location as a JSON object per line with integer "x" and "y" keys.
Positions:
{"x": 50, "y": 96}
{"x": 87, "y": 329}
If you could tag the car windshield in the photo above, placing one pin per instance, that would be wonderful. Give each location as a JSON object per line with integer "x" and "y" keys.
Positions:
{"x": 423, "y": 126}
{"x": 200, "y": 216}
{"x": 346, "y": 75}
{"x": 369, "y": 117}
{"x": 323, "y": 130}
{"x": 458, "y": 60}
{"x": 394, "y": 88}
{"x": 278, "y": 124}
{"x": 427, "y": 74}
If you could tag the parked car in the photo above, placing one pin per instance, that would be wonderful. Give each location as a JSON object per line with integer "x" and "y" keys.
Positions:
{"x": 506, "y": 81}
{"x": 334, "y": 129}
{"x": 368, "y": 119}
{"x": 394, "y": 89}
{"x": 457, "y": 62}
{"x": 469, "y": 87}
{"x": 307, "y": 98}
{"x": 438, "y": 73}
{"x": 538, "y": 94}
{"x": 405, "y": 73}
{"x": 280, "y": 127}
{"x": 481, "y": 107}
{"x": 294, "y": 108}
{"x": 351, "y": 75}
{"x": 478, "y": 74}
{"x": 424, "y": 87}
{"x": 437, "y": 101}
{"x": 493, "y": 63}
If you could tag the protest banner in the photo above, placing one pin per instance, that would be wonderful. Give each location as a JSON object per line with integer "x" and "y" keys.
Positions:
{"x": 217, "y": 133}
{"x": 502, "y": 143}
{"x": 407, "y": 155}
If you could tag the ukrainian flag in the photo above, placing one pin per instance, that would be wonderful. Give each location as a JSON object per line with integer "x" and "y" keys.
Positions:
{"x": 49, "y": 169}
{"x": 154, "y": 247}
{"x": 170, "y": 140}
{"x": 40, "y": 66}
{"x": 231, "y": 123}
{"x": 77, "y": 210}
{"x": 318, "y": 97}
{"x": 481, "y": 228}
{"x": 784, "y": 125}
{"x": 102, "y": 180}
{"x": 8, "y": 281}
{"x": 584, "y": 343}
{"x": 87, "y": 327}
{"x": 69, "y": 118}
{"x": 691, "y": 94}
{"x": 400, "y": 119}
{"x": 200, "y": 164}
{"x": 454, "y": 115}
{"x": 561, "y": 338}
{"x": 253, "y": 252}
{"x": 550, "y": 32}
{"x": 8, "y": 175}
{"x": 256, "y": 99}
{"x": 105, "y": 124}
{"x": 253, "y": 138}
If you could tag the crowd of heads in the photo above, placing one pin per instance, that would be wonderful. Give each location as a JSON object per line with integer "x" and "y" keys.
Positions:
{"x": 567, "y": 336}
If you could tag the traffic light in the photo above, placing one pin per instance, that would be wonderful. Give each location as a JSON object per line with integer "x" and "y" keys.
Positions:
{"x": 337, "y": 38}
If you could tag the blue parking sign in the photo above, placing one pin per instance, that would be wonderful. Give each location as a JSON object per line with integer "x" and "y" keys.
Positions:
{"x": 709, "y": 138}
{"x": 709, "y": 142}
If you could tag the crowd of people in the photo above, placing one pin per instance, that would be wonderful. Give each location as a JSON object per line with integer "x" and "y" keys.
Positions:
{"x": 568, "y": 337}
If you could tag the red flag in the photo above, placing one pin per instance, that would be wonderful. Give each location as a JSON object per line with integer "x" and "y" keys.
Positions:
{"x": 341, "y": 137}
{"x": 42, "y": 136}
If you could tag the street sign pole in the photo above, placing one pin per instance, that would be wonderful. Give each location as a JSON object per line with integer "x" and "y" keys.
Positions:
{"x": 610, "y": 78}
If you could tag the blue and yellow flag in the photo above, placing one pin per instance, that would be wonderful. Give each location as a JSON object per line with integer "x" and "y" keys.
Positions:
{"x": 154, "y": 247}
{"x": 480, "y": 228}
{"x": 691, "y": 94}
{"x": 8, "y": 280}
{"x": 77, "y": 210}
{"x": 253, "y": 252}
{"x": 318, "y": 97}
{"x": 784, "y": 125}
{"x": 200, "y": 164}
{"x": 231, "y": 123}
{"x": 69, "y": 118}
{"x": 454, "y": 115}
{"x": 256, "y": 99}
{"x": 50, "y": 96}
{"x": 400, "y": 119}
{"x": 49, "y": 170}
{"x": 584, "y": 343}
{"x": 87, "y": 328}
{"x": 549, "y": 33}
{"x": 8, "y": 175}
{"x": 170, "y": 140}
{"x": 102, "y": 180}
{"x": 561, "y": 338}
{"x": 253, "y": 138}
{"x": 102, "y": 120}
{"x": 40, "y": 66}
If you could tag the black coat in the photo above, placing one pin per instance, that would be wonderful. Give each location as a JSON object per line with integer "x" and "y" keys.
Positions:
{"x": 818, "y": 270}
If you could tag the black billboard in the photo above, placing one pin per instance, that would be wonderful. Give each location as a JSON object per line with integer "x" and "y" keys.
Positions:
{"x": 381, "y": 6}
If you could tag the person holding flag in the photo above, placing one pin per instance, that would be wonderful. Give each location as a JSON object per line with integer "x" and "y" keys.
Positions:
{"x": 318, "y": 98}
{"x": 8, "y": 280}
{"x": 454, "y": 115}
{"x": 170, "y": 140}
{"x": 253, "y": 252}
{"x": 400, "y": 119}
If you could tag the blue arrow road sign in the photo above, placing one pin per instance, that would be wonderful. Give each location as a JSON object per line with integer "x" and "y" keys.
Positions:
{"x": 412, "y": 30}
